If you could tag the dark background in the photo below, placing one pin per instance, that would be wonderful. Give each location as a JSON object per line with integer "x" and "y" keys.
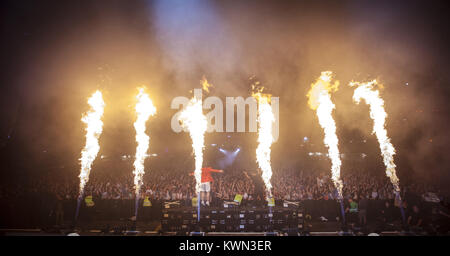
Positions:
{"x": 55, "y": 54}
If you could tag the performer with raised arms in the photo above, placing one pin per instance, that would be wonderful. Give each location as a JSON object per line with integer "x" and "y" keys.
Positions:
{"x": 205, "y": 186}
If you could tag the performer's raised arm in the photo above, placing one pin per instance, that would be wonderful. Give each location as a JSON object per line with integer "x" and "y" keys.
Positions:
{"x": 214, "y": 170}
{"x": 205, "y": 186}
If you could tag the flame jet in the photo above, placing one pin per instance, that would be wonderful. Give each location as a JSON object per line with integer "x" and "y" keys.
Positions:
{"x": 266, "y": 119}
{"x": 319, "y": 99}
{"x": 195, "y": 122}
{"x": 94, "y": 127}
{"x": 372, "y": 98}
{"x": 205, "y": 84}
{"x": 144, "y": 109}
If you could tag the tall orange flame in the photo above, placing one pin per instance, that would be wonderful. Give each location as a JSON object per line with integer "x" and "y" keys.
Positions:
{"x": 144, "y": 109}
{"x": 266, "y": 119}
{"x": 372, "y": 97}
{"x": 320, "y": 100}
{"x": 94, "y": 127}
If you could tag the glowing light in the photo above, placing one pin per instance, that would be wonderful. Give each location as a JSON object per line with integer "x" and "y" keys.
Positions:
{"x": 266, "y": 119}
{"x": 144, "y": 109}
{"x": 195, "y": 122}
{"x": 372, "y": 97}
{"x": 94, "y": 127}
{"x": 319, "y": 99}
{"x": 205, "y": 84}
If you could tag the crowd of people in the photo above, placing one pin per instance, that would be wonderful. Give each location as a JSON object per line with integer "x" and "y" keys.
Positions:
{"x": 176, "y": 184}
{"x": 288, "y": 184}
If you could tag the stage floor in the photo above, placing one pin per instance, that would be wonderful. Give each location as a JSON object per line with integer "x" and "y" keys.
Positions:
{"x": 152, "y": 228}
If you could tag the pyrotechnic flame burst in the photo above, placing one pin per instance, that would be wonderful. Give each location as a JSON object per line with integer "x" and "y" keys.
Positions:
{"x": 266, "y": 119}
{"x": 144, "y": 109}
{"x": 94, "y": 127}
{"x": 195, "y": 122}
{"x": 319, "y": 99}
{"x": 372, "y": 98}
{"x": 205, "y": 84}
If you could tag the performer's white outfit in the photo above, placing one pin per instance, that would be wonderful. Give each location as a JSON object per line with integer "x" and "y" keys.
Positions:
{"x": 205, "y": 186}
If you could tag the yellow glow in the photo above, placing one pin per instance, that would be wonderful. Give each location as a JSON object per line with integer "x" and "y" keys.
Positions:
{"x": 266, "y": 119}
{"x": 195, "y": 122}
{"x": 320, "y": 100}
{"x": 94, "y": 126}
{"x": 372, "y": 97}
{"x": 144, "y": 109}
{"x": 205, "y": 84}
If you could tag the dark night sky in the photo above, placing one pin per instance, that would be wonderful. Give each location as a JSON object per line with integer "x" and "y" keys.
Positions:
{"x": 54, "y": 54}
